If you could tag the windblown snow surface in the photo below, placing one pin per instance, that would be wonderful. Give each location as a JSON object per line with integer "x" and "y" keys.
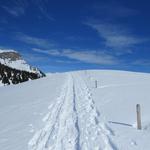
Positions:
{"x": 67, "y": 112}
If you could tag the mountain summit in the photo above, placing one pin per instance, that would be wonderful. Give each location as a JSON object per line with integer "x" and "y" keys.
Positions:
{"x": 14, "y": 69}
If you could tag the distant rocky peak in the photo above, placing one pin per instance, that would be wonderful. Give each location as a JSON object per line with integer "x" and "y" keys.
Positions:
{"x": 11, "y": 55}
{"x": 14, "y": 69}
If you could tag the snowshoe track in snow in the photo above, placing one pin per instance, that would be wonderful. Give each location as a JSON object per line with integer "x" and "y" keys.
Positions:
{"x": 73, "y": 122}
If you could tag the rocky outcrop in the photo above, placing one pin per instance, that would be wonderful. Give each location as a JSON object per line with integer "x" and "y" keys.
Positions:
{"x": 14, "y": 69}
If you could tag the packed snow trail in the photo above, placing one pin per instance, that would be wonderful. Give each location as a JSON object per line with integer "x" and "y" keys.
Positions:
{"x": 73, "y": 122}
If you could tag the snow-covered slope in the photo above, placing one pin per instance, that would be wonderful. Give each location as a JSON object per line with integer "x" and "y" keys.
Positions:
{"x": 66, "y": 112}
{"x": 22, "y": 108}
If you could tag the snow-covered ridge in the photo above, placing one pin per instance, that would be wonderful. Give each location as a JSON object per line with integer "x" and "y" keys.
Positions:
{"x": 13, "y": 59}
{"x": 14, "y": 69}
{"x": 7, "y": 50}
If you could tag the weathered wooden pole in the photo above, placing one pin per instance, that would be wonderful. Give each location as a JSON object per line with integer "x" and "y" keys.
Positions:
{"x": 95, "y": 83}
{"x": 138, "y": 111}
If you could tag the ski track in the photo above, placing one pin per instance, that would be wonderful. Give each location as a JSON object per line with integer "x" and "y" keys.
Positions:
{"x": 73, "y": 123}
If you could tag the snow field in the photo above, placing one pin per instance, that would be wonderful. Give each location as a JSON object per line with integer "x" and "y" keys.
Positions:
{"x": 22, "y": 108}
{"x": 73, "y": 122}
{"x": 66, "y": 112}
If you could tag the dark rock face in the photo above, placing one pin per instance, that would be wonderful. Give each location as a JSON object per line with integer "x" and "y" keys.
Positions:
{"x": 13, "y": 76}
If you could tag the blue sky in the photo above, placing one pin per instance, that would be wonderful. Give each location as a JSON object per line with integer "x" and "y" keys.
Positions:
{"x": 68, "y": 35}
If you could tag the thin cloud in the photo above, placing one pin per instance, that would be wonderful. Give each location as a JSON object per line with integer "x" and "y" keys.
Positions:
{"x": 113, "y": 10}
{"x": 85, "y": 56}
{"x": 14, "y": 11}
{"x": 17, "y": 8}
{"x": 141, "y": 62}
{"x": 115, "y": 37}
{"x": 39, "y": 42}
{"x": 34, "y": 58}
{"x": 42, "y": 6}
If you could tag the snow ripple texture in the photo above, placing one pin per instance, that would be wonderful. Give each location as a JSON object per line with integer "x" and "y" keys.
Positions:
{"x": 73, "y": 122}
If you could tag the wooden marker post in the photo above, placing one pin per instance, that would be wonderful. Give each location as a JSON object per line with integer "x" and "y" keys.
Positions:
{"x": 95, "y": 83}
{"x": 138, "y": 111}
